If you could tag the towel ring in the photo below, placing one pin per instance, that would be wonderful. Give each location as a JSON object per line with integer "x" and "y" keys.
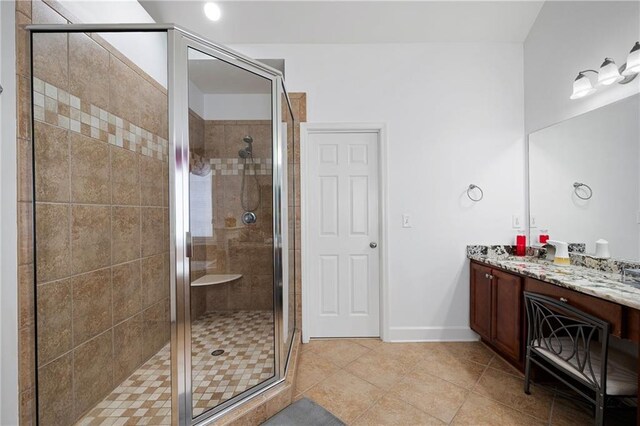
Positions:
{"x": 472, "y": 187}
{"x": 577, "y": 186}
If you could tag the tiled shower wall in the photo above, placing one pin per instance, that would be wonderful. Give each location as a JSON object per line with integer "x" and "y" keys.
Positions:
{"x": 235, "y": 248}
{"x": 101, "y": 214}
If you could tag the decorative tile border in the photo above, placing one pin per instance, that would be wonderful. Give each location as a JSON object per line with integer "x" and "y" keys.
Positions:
{"x": 229, "y": 166}
{"x": 58, "y": 107}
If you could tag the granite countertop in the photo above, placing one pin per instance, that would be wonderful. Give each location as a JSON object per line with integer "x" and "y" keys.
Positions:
{"x": 601, "y": 284}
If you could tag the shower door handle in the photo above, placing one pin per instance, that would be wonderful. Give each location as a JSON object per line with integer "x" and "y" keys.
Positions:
{"x": 187, "y": 243}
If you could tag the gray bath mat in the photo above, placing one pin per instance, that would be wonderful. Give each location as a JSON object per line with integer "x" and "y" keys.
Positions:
{"x": 304, "y": 412}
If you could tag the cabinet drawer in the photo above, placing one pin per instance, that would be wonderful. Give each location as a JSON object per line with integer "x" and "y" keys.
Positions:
{"x": 608, "y": 311}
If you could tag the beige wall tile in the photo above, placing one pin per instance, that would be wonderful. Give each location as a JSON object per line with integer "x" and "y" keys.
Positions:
{"x": 50, "y": 62}
{"x": 90, "y": 237}
{"x": 218, "y": 297}
{"x": 92, "y": 372}
{"x": 92, "y": 311}
{"x": 153, "y": 329}
{"x": 151, "y": 181}
{"x": 22, "y": 38}
{"x": 24, "y": 6}
{"x": 27, "y": 360}
{"x": 152, "y": 280}
{"x": 25, "y": 233}
{"x": 55, "y": 392}
{"x": 125, "y": 176}
{"x": 54, "y": 305}
{"x": 127, "y": 290}
{"x": 52, "y": 241}
{"x": 125, "y": 233}
{"x": 153, "y": 108}
{"x": 127, "y": 345}
{"x": 28, "y": 407}
{"x": 23, "y": 108}
{"x": 25, "y": 170}
{"x": 88, "y": 70}
{"x": 240, "y": 295}
{"x": 26, "y": 295}
{"x": 90, "y": 170}
{"x": 152, "y": 230}
{"x": 123, "y": 91}
{"x": 52, "y": 181}
{"x": 214, "y": 139}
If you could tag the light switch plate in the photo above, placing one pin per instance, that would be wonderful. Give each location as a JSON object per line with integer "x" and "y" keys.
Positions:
{"x": 516, "y": 221}
{"x": 406, "y": 221}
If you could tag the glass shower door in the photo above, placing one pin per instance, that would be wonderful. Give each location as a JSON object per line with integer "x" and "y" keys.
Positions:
{"x": 231, "y": 272}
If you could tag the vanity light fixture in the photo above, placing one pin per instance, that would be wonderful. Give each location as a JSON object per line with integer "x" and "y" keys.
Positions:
{"x": 608, "y": 75}
{"x": 582, "y": 85}
{"x": 212, "y": 11}
{"x": 633, "y": 61}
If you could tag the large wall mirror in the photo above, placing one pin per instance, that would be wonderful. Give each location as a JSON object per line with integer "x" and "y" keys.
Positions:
{"x": 584, "y": 179}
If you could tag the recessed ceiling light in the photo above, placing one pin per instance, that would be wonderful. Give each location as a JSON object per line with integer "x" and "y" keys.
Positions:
{"x": 212, "y": 11}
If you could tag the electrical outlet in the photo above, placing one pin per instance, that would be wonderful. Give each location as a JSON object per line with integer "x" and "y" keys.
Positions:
{"x": 406, "y": 221}
{"x": 516, "y": 221}
{"x": 532, "y": 222}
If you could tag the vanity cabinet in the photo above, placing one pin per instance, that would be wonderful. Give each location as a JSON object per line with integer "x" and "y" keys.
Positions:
{"x": 496, "y": 309}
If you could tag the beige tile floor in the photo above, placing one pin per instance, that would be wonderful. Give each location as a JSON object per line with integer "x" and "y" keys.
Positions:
{"x": 368, "y": 382}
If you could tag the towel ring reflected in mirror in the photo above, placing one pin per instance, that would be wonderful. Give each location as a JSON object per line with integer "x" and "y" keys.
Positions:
{"x": 471, "y": 188}
{"x": 586, "y": 188}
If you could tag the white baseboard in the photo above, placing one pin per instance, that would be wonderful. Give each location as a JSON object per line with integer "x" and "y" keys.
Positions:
{"x": 431, "y": 334}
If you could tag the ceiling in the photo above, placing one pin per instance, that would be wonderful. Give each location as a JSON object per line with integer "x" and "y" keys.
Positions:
{"x": 353, "y": 21}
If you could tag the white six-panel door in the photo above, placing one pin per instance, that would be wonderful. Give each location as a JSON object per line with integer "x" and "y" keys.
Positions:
{"x": 342, "y": 234}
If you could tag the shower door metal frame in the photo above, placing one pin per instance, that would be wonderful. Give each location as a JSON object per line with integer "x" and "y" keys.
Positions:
{"x": 179, "y": 41}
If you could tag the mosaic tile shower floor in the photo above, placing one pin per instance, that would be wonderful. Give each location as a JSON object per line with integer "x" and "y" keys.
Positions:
{"x": 145, "y": 397}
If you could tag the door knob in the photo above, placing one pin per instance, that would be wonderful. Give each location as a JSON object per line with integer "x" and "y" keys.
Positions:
{"x": 373, "y": 245}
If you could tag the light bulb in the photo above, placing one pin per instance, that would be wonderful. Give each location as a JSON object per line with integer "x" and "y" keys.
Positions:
{"x": 633, "y": 61}
{"x": 212, "y": 11}
{"x": 609, "y": 73}
{"x": 582, "y": 87}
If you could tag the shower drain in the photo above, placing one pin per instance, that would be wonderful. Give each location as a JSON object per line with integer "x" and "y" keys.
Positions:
{"x": 217, "y": 352}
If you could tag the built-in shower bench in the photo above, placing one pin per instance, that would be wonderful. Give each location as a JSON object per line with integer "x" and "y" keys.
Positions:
{"x": 214, "y": 279}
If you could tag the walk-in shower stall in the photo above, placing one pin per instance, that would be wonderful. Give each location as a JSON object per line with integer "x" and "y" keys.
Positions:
{"x": 163, "y": 223}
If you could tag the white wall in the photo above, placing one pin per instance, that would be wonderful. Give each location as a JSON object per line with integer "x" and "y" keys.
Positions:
{"x": 600, "y": 148}
{"x": 568, "y": 37}
{"x": 237, "y": 106}
{"x": 229, "y": 106}
{"x": 8, "y": 233}
{"x": 454, "y": 113}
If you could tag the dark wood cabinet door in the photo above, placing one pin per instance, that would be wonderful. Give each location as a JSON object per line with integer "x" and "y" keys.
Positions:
{"x": 481, "y": 301}
{"x": 507, "y": 314}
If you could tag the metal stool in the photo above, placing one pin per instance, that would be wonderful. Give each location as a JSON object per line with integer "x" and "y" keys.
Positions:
{"x": 574, "y": 347}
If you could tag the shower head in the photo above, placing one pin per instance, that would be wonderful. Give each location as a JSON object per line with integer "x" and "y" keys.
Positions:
{"x": 248, "y": 139}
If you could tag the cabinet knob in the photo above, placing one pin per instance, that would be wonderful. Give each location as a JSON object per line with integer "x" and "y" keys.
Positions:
{"x": 564, "y": 299}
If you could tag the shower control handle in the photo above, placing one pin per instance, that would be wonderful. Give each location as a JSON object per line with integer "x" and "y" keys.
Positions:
{"x": 373, "y": 245}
